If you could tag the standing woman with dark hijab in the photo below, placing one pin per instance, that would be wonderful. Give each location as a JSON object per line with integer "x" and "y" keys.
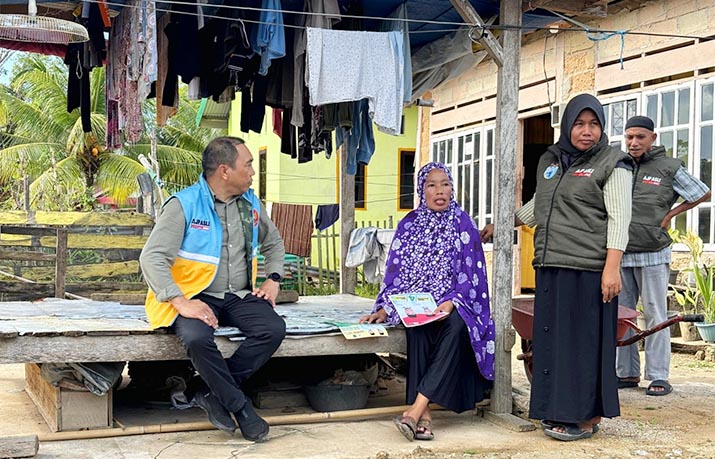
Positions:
{"x": 437, "y": 249}
{"x": 581, "y": 210}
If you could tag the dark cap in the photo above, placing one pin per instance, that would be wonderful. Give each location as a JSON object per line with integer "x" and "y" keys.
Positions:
{"x": 640, "y": 122}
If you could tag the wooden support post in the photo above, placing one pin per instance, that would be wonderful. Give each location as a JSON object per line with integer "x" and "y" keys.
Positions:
{"x": 19, "y": 446}
{"x": 348, "y": 276}
{"x": 60, "y": 262}
{"x": 487, "y": 39}
{"x": 506, "y": 137}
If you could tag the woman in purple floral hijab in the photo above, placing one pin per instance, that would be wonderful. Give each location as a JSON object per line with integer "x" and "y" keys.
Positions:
{"x": 437, "y": 249}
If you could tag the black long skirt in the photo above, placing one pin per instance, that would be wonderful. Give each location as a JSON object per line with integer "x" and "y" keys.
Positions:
{"x": 442, "y": 367}
{"x": 574, "y": 338}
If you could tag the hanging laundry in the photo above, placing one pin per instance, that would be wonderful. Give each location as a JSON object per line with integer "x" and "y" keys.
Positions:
{"x": 369, "y": 247}
{"x": 163, "y": 112}
{"x": 326, "y": 215}
{"x": 403, "y": 28}
{"x": 345, "y": 65}
{"x": 268, "y": 38}
{"x": 325, "y": 14}
{"x": 358, "y": 141}
{"x": 295, "y": 223}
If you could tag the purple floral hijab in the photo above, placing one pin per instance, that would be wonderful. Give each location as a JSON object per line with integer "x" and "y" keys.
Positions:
{"x": 440, "y": 252}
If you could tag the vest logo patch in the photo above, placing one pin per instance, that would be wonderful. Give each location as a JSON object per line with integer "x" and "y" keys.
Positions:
{"x": 255, "y": 217}
{"x": 583, "y": 172}
{"x": 550, "y": 171}
{"x": 650, "y": 180}
{"x": 202, "y": 225}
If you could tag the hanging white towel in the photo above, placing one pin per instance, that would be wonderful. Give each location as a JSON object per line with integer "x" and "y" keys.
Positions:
{"x": 344, "y": 66}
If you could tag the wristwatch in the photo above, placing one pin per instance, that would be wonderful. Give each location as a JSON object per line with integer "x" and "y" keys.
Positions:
{"x": 275, "y": 277}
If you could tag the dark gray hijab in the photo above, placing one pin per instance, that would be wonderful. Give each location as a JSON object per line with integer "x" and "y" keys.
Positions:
{"x": 568, "y": 118}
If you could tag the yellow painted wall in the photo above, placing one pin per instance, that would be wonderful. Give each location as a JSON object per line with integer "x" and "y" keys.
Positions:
{"x": 316, "y": 182}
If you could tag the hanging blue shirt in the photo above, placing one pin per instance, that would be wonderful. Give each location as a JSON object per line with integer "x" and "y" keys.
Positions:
{"x": 268, "y": 37}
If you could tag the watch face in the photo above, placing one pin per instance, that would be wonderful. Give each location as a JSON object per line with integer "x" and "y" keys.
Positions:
{"x": 275, "y": 277}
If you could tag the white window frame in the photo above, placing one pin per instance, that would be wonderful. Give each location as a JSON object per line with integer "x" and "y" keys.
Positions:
{"x": 485, "y": 155}
{"x": 608, "y": 105}
{"x": 698, "y": 125}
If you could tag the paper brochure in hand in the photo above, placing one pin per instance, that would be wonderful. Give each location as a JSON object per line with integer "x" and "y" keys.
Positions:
{"x": 416, "y": 309}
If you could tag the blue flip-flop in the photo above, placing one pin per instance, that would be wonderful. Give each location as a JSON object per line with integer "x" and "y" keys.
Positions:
{"x": 546, "y": 424}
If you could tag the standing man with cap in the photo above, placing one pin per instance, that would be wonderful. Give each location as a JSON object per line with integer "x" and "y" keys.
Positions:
{"x": 199, "y": 264}
{"x": 658, "y": 182}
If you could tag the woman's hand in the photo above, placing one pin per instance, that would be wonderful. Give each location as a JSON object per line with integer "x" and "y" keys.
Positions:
{"x": 446, "y": 307}
{"x": 375, "y": 318}
{"x": 611, "y": 277}
{"x": 487, "y": 232}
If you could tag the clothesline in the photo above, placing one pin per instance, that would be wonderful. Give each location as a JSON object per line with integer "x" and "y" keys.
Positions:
{"x": 491, "y": 27}
{"x": 284, "y": 11}
{"x": 252, "y": 21}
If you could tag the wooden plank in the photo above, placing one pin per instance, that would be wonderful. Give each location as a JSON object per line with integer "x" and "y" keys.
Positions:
{"x": 43, "y": 395}
{"x": 122, "y": 219}
{"x": 24, "y": 255}
{"x": 505, "y": 195}
{"x": 19, "y": 446}
{"x": 60, "y": 263}
{"x": 583, "y": 8}
{"x": 655, "y": 66}
{"x": 79, "y": 241}
{"x": 149, "y": 347}
{"x": 27, "y": 230}
{"x": 85, "y": 410}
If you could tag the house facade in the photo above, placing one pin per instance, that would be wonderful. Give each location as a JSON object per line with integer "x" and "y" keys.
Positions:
{"x": 667, "y": 77}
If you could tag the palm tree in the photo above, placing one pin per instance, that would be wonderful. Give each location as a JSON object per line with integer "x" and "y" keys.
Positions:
{"x": 41, "y": 141}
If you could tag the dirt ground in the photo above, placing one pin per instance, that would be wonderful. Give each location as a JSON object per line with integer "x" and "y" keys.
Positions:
{"x": 680, "y": 425}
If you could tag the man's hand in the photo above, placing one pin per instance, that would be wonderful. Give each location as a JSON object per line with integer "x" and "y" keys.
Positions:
{"x": 487, "y": 232}
{"x": 376, "y": 318}
{"x": 195, "y": 309}
{"x": 665, "y": 223}
{"x": 268, "y": 290}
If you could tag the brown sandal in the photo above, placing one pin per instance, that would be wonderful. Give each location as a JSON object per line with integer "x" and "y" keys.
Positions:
{"x": 424, "y": 430}
{"x": 407, "y": 426}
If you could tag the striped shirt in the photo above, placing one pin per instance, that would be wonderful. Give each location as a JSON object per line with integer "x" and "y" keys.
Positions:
{"x": 689, "y": 188}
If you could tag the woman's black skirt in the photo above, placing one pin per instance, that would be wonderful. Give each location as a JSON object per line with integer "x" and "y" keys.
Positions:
{"x": 574, "y": 343}
{"x": 442, "y": 367}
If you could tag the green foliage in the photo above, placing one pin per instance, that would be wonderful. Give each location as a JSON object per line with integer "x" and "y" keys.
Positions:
{"x": 67, "y": 167}
{"x": 698, "y": 298}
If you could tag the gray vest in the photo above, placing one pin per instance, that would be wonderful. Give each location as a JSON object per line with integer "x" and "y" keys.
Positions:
{"x": 653, "y": 196}
{"x": 571, "y": 217}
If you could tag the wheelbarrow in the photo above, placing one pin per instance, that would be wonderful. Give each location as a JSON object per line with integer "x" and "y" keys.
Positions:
{"x": 522, "y": 318}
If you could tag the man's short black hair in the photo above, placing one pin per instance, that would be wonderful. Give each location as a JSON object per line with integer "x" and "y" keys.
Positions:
{"x": 221, "y": 150}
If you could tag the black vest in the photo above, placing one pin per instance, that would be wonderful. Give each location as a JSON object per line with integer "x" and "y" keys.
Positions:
{"x": 653, "y": 196}
{"x": 571, "y": 217}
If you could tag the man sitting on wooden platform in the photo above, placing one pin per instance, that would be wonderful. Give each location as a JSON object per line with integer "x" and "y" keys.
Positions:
{"x": 199, "y": 264}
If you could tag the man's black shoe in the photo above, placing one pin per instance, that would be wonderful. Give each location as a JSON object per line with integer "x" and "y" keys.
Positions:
{"x": 218, "y": 415}
{"x": 253, "y": 427}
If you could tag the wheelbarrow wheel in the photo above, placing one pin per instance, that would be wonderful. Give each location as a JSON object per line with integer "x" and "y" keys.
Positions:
{"x": 526, "y": 357}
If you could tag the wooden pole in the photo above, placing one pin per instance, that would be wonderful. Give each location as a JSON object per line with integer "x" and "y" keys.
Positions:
{"x": 348, "y": 276}
{"x": 506, "y": 138}
{"x": 60, "y": 262}
{"x": 307, "y": 418}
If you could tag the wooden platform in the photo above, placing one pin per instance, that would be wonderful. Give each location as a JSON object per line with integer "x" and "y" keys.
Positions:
{"x": 96, "y": 331}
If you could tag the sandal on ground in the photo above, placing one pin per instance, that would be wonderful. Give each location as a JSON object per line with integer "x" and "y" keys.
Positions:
{"x": 572, "y": 432}
{"x": 546, "y": 424}
{"x": 424, "y": 430}
{"x": 667, "y": 388}
{"x": 407, "y": 426}
{"x": 625, "y": 383}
